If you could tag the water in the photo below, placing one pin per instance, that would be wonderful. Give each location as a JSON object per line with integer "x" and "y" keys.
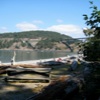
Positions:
{"x": 25, "y": 55}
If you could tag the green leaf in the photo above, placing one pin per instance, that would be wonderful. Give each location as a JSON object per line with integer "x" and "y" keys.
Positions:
{"x": 84, "y": 15}
{"x": 91, "y": 2}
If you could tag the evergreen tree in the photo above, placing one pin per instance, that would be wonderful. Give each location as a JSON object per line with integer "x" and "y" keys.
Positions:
{"x": 92, "y": 45}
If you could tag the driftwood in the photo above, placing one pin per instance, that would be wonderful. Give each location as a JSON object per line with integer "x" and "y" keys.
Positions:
{"x": 60, "y": 90}
{"x": 27, "y": 74}
{"x": 27, "y": 66}
{"x": 85, "y": 87}
{"x": 18, "y": 69}
{"x": 3, "y": 69}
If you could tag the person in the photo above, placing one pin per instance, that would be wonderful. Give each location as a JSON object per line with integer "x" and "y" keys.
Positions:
{"x": 12, "y": 62}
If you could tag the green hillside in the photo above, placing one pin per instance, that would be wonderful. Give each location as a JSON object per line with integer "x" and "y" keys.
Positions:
{"x": 34, "y": 40}
{"x": 33, "y": 34}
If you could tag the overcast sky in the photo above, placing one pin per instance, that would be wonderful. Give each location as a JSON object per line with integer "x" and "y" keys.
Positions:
{"x": 63, "y": 16}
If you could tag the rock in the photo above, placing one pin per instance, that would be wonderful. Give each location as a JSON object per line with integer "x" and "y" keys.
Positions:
{"x": 74, "y": 65}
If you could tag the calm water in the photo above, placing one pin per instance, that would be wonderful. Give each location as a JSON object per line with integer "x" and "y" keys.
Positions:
{"x": 23, "y": 55}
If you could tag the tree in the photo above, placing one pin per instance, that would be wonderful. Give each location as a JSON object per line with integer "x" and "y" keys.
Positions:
{"x": 92, "y": 46}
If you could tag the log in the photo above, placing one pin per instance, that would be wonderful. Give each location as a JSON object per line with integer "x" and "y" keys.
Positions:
{"x": 30, "y": 69}
{"x": 28, "y": 74}
{"x": 16, "y": 71}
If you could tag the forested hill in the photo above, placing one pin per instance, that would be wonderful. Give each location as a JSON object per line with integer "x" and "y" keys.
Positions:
{"x": 34, "y": 34}
{"x": 34, "y": 40}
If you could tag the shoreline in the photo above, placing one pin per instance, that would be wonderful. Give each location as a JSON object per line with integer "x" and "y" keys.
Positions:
{"x": 35, "y": 62}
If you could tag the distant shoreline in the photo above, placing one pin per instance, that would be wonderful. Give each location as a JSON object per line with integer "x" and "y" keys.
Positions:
{"x": 34, "y": 50}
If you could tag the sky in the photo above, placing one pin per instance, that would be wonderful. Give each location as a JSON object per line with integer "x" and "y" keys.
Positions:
{"x": 63, "y": 16}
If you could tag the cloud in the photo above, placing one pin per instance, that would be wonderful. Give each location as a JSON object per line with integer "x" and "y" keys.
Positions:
{"x": 59, "y": 20}
{"x": 38, "y": 22}
{"x": 67, "y": 29}
{"x": 71, "y": 30}
{"x": 3, "y": 29}
{"x": 26, "y": 26}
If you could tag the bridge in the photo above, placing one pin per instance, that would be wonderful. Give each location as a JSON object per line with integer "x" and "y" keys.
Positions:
{"x": 67, "y": 44}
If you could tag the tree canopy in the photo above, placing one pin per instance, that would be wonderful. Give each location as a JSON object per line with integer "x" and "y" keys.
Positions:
{"x": 92, "y": 45}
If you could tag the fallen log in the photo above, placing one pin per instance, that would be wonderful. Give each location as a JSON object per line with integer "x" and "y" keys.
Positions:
{"x": 29, "y": 69}
{"x": 27, "y": 74}
{"x": 66, "y": 90}
{"x": 16, "y": 71}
